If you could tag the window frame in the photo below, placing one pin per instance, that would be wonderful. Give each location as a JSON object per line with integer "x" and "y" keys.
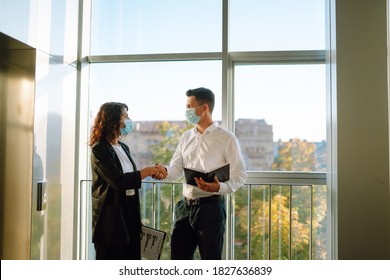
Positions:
{"x": 229, "y": 61}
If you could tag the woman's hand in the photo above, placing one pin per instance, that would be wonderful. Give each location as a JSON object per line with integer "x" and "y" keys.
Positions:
{"x": 157, "y": 171}
{"x": 161, "y": 172}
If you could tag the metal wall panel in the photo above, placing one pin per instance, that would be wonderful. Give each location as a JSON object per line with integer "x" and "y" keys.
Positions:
{"x": 17, "y": 83}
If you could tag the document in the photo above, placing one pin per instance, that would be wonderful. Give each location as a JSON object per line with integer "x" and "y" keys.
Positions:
{"x": 152, "y": 241}
{"x": 222, "y": 173}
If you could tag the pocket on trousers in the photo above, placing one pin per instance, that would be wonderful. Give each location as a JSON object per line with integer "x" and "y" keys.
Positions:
{"x": 181, "y": 211}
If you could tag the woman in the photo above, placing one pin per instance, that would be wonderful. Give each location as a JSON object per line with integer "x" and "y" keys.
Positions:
{"x": 116, "y": 220}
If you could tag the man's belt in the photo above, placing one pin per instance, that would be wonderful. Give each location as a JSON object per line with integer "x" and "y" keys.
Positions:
{"x": 202, "y": 200}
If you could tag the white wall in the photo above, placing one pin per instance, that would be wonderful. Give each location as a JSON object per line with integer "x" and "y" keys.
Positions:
{"x": 362, "y": 173}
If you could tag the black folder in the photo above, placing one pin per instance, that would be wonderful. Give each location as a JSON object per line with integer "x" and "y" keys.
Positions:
{"x": 222, "y": 173}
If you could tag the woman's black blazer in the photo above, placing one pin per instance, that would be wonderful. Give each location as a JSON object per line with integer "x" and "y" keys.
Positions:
{"x": 109, "y": 185}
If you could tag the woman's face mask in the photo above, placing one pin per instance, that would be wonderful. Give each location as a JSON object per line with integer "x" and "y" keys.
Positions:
{"x": 128, "y": 127}
{"x": 191, "y": 116}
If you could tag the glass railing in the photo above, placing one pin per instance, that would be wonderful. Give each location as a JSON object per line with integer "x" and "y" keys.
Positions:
{"x": 273, "y": 216}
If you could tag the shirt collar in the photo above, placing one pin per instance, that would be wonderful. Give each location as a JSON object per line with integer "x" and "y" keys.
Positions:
{"x": 210, "y": 129}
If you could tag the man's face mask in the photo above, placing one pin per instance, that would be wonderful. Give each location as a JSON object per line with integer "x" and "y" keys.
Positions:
{"x": 191, "y": 115}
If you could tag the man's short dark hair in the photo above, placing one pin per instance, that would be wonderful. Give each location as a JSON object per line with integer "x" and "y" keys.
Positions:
{"x": 202, "y": 96}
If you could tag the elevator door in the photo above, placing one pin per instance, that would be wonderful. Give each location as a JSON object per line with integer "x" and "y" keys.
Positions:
{"x": 17, "y": 85}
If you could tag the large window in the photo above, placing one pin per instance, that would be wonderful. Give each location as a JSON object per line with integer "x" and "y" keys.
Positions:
{"x": 265, "y": 61}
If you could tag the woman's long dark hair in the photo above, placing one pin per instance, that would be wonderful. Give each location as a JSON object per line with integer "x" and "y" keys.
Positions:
{"x": 107, "y": 122}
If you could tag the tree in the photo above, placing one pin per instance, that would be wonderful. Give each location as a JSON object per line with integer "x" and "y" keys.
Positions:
{"x": 171, "y": 132}
{"x": 295, "y": 155}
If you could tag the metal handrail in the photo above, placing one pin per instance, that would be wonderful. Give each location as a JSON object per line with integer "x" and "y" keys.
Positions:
{"x": 267, "y": 179}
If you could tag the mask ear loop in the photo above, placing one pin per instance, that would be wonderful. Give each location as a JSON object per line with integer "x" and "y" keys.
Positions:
{"x": 203, "y": 107}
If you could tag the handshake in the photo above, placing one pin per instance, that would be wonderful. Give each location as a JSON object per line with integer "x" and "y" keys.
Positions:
{"x": 159, "y": 172}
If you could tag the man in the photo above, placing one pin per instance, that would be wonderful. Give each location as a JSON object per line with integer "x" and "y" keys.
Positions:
{"x": 200, "y": 217}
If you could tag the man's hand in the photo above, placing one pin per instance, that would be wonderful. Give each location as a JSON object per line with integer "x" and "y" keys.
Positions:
{"x": 208, "y": 187}
{"x": 161, "y": 172}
